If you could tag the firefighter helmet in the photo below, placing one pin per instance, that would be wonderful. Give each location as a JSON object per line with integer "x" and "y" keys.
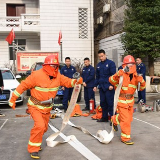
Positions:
{"x": 51, "y": 59}
{"x": 128, "y": 59}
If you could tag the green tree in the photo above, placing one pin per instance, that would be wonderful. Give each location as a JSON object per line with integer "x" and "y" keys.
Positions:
{"x": 142, "y": 30}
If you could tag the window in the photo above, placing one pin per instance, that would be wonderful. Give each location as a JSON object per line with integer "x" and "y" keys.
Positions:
{"x": 38, "y": 66}
{"x": 20, "y": 45}
{"x": 15, "y": 9}
{"x": 83, "y": 23}
{"x": 6, "y": 74}
{"x": 13, "y": 12}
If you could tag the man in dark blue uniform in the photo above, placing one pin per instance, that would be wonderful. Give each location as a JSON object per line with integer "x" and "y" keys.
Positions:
{"x": 88, "y": 75}
{"x": 141, "y": 69}
{"x": 104, "y": 70}
{"x": 68, "y": 70}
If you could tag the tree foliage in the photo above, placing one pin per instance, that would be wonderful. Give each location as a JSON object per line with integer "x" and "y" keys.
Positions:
{"x": 142, "y": 28}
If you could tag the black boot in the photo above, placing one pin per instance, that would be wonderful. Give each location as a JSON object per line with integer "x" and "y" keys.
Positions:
{"x": 40, "y": 149}
{"x": 35, "y": 155}
{"x": 130, "y": 142}
{"x": 102, "y": 120}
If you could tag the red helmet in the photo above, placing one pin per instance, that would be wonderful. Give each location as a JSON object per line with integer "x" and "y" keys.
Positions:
{"x": 128, "y": 59}
{"x": 51, "y": 59}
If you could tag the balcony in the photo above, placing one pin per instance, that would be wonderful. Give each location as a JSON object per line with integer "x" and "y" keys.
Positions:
{"x": 26, "y": 22}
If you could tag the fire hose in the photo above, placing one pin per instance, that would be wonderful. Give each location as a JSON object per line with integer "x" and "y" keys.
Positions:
{"x": 102, "y": 135}
{"x": 50, "y": 140}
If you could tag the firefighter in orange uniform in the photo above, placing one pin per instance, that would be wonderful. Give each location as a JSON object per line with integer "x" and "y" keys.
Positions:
{"x": 124, "y": 111}
{"x": 44, "y": 85}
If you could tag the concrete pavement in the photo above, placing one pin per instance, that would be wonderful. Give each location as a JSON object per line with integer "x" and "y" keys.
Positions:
{"x": 15, "y": 132}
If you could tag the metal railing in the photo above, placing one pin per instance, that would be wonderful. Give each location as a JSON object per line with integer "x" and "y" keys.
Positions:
{"x": 26, "y": 22}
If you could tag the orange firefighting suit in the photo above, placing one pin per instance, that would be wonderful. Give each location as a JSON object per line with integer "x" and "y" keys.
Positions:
{"x": 125, "y": 105}
{"x": 42, "y": 88}
{"x": 98, "y": 114}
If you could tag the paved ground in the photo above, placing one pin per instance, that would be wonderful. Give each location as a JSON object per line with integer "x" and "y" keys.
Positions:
{"x": 14, "y": 135}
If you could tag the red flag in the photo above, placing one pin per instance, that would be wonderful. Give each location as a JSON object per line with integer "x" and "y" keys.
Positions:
{"x": 60, "y": 37}
{"x": 10, "y": 37}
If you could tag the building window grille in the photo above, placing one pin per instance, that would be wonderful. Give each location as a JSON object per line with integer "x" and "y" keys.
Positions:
{"x": 83, "y": 23}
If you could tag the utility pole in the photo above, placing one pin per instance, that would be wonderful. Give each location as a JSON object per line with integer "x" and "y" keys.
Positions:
{"x": 14, "y": 57}
{"x": 61, "y": 51}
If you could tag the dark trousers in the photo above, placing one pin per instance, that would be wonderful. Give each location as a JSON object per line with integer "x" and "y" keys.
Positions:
{"x": 89, "y": 94}
{"x": 142, "y": 95}
{"x": 67, "y": 96}
{"x": 106, "y": 102}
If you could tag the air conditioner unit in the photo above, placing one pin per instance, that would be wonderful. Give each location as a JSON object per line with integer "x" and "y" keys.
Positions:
{"x": 106, "y": 8}
{"x": 100, "y": 20}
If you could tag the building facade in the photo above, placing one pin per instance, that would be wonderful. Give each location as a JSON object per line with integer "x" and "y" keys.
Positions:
{"x": 108, "y": 26}
{"x": 37, "y": 24}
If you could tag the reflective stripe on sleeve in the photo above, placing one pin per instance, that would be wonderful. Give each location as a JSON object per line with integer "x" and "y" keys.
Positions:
{"x": 16, "y": 93}
{"x": 72, "y": 83}
{"x": 10, "y": 103}
{"x": 34, "y": 144}
{"x": 113, "y": 80}
{"x": 143, "y": 87}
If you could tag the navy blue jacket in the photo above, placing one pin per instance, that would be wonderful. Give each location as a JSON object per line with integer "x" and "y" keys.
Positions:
{"x": 104, "y": 70}
{"x": 68, "y": 72}
{"x": 88, "y": 75}
{"x": 141, "y": 69}
{"x": 120, "y": 67}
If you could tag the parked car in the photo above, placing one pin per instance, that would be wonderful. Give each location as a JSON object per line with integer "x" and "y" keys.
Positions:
{"x": 36, "y": 66}
{"x": 59, "y": 96}
{"x": 10, "y": 84}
